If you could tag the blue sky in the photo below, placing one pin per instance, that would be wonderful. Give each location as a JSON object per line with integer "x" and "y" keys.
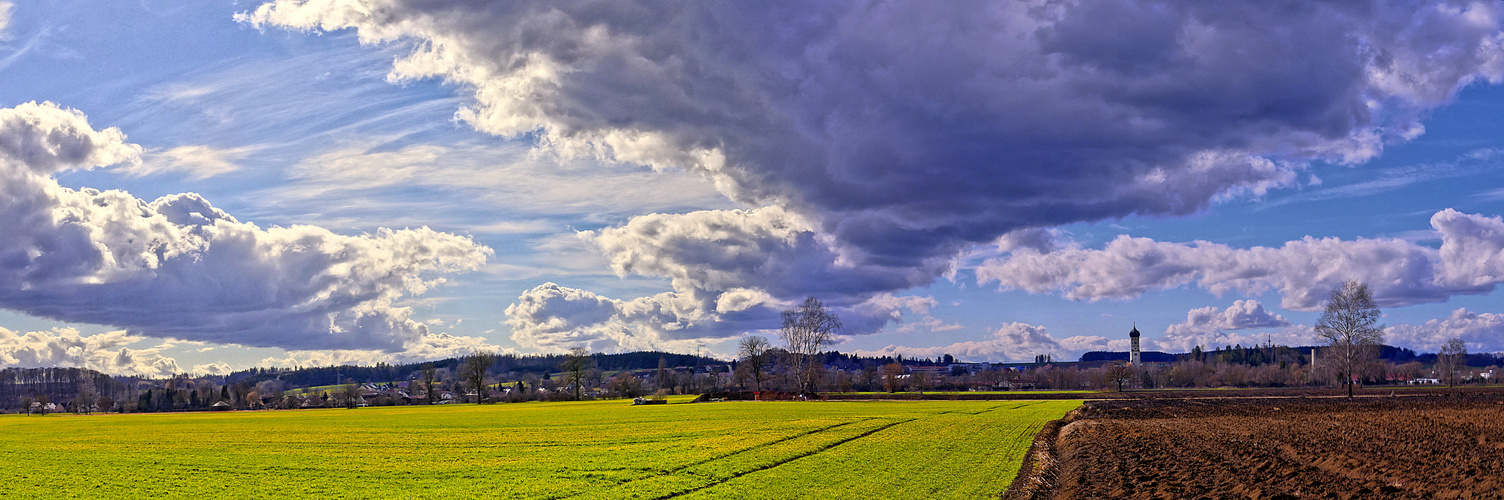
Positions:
{"x": 1005, "y": 183}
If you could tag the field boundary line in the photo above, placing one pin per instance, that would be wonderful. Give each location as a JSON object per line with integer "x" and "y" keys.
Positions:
{"x": 1038, "y": 475}
{"x": 790, "y": 459}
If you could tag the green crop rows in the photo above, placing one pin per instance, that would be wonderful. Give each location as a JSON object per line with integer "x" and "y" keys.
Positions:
{"x": 606, "y": 449}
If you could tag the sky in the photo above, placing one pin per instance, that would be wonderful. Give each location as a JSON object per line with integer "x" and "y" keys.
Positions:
{"x": 207, "y": 186}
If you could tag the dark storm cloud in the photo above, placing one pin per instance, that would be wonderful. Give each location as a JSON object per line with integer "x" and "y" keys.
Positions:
{"x": 907, "y": 131}
{"x": 909, "y": 128}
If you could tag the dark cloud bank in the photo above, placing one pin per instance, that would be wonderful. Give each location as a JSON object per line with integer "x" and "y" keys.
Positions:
{"x": 886, "y": 137}
{"x": 880, "y": 139}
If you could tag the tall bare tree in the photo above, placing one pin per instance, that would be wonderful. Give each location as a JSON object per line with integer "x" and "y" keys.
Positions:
{"x": 661, "y": 378}
{"x": 348, "y": 394}
{"x": 576, "y": 366}
{"x": 754, "y": 353}
{"x": 1350, "y": 326}
{"x": 806, "y": 330}
{"x": 474, "y": 373}
{"x": 87, "y": 396}
{"x": 1453, "y": 357}
{"x": 430, "y": 376}
{"x": 891, "y": 372}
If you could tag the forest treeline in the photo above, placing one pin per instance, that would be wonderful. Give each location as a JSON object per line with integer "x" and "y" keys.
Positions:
{"x": 512, "y": 378}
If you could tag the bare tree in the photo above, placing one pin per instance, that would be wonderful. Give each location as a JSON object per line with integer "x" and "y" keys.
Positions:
{"x": 576, "y": 366}
{"x": 660, "y": 379}
{"x": 348, "y": 393}
{"x": 919, "y": 381}
{"x": 1350, "y": 326}
{"x": 626, "y": 385}
{"x": 1453, "y": 357}
{"x": 1119, "y": 373}
{"x": 891, "y": 372}
{"x": 754, "y": 355}
{"x": 806, "y": 330}
{"x": 869, "y": 378}
{"x": 430, "y": 376}
{"x": 86, "y": 399}
{"x": 474, "y": 373}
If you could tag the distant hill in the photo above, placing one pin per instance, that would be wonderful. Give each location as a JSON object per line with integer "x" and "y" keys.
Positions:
{"x": 1146, "y": 356}
{"x": 532, "y": 363}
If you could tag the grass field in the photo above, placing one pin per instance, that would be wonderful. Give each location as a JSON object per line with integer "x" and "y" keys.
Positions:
{"x": 606, "y": 449}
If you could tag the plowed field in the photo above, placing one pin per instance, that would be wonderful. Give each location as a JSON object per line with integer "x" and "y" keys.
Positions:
{"x": 1387, "y": 447}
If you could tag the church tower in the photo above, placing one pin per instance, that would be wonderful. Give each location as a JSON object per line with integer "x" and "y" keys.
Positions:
{"x": 1133, "y": 357}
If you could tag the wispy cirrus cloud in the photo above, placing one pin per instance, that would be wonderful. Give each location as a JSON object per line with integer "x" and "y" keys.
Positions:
{"x": 1385, "y": 180}
{"x": 198, "y": 162}
{"x": 506, "y": 178}
{"x": 5, "y": 10}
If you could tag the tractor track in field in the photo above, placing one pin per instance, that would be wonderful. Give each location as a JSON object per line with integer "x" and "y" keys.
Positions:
{"x": 787, "y": 460}
{"x": 728, "y": 455}
{"x": 990, "y": 409}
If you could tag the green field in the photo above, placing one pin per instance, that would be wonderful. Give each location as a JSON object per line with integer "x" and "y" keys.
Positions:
{"x": 605, "y": 449}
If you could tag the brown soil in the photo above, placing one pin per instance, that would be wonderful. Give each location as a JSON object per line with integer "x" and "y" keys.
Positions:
{"x": 1425, "y": 446}
{"x": 1284, "y": 392}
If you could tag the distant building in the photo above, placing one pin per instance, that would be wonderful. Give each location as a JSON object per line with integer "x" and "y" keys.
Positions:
{"x": 1134, "y": 357}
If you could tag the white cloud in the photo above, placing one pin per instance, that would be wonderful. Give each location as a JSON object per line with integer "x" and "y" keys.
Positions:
{"x": 1209, "y": 327}
{"x": 426, "y": 348}
{"x": 1482, "y": 332}
{"x": 212, "y": 369}
{"x": 1303, "y": 271}
{"x": 42, "y": 139}
{"x": 5, "y": 8}
{"x": 731, "y": 271}
{"x": 105, "y": 352}
{"x": 506, "y": 175}
{"x": 198, "y": 162}
{"x": 1242, "y": 314}
{"x": 1013, "y": 341}
{"x": 178, "y": 267}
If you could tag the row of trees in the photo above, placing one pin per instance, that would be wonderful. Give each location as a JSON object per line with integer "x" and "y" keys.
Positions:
{"x": 1349, "y": 325}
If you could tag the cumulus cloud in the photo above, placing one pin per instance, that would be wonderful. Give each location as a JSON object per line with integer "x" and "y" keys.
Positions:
{"x": 212, "y": 369}
{"x": 105, "y": 352}
{"x": 177, "y": 267}
{"x": 1014, "y": 342}
{"x": 909, "y": 130}
{"x": 730, "y": 270}
{"x": 1210, "y": 327}
{"x": 550, "y": 317}
{"x": 1303, "y": 272}
{"x": 1242, "y": 314}
{"x": 426, "y": 348}
{"x": 1482, "y": 332}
